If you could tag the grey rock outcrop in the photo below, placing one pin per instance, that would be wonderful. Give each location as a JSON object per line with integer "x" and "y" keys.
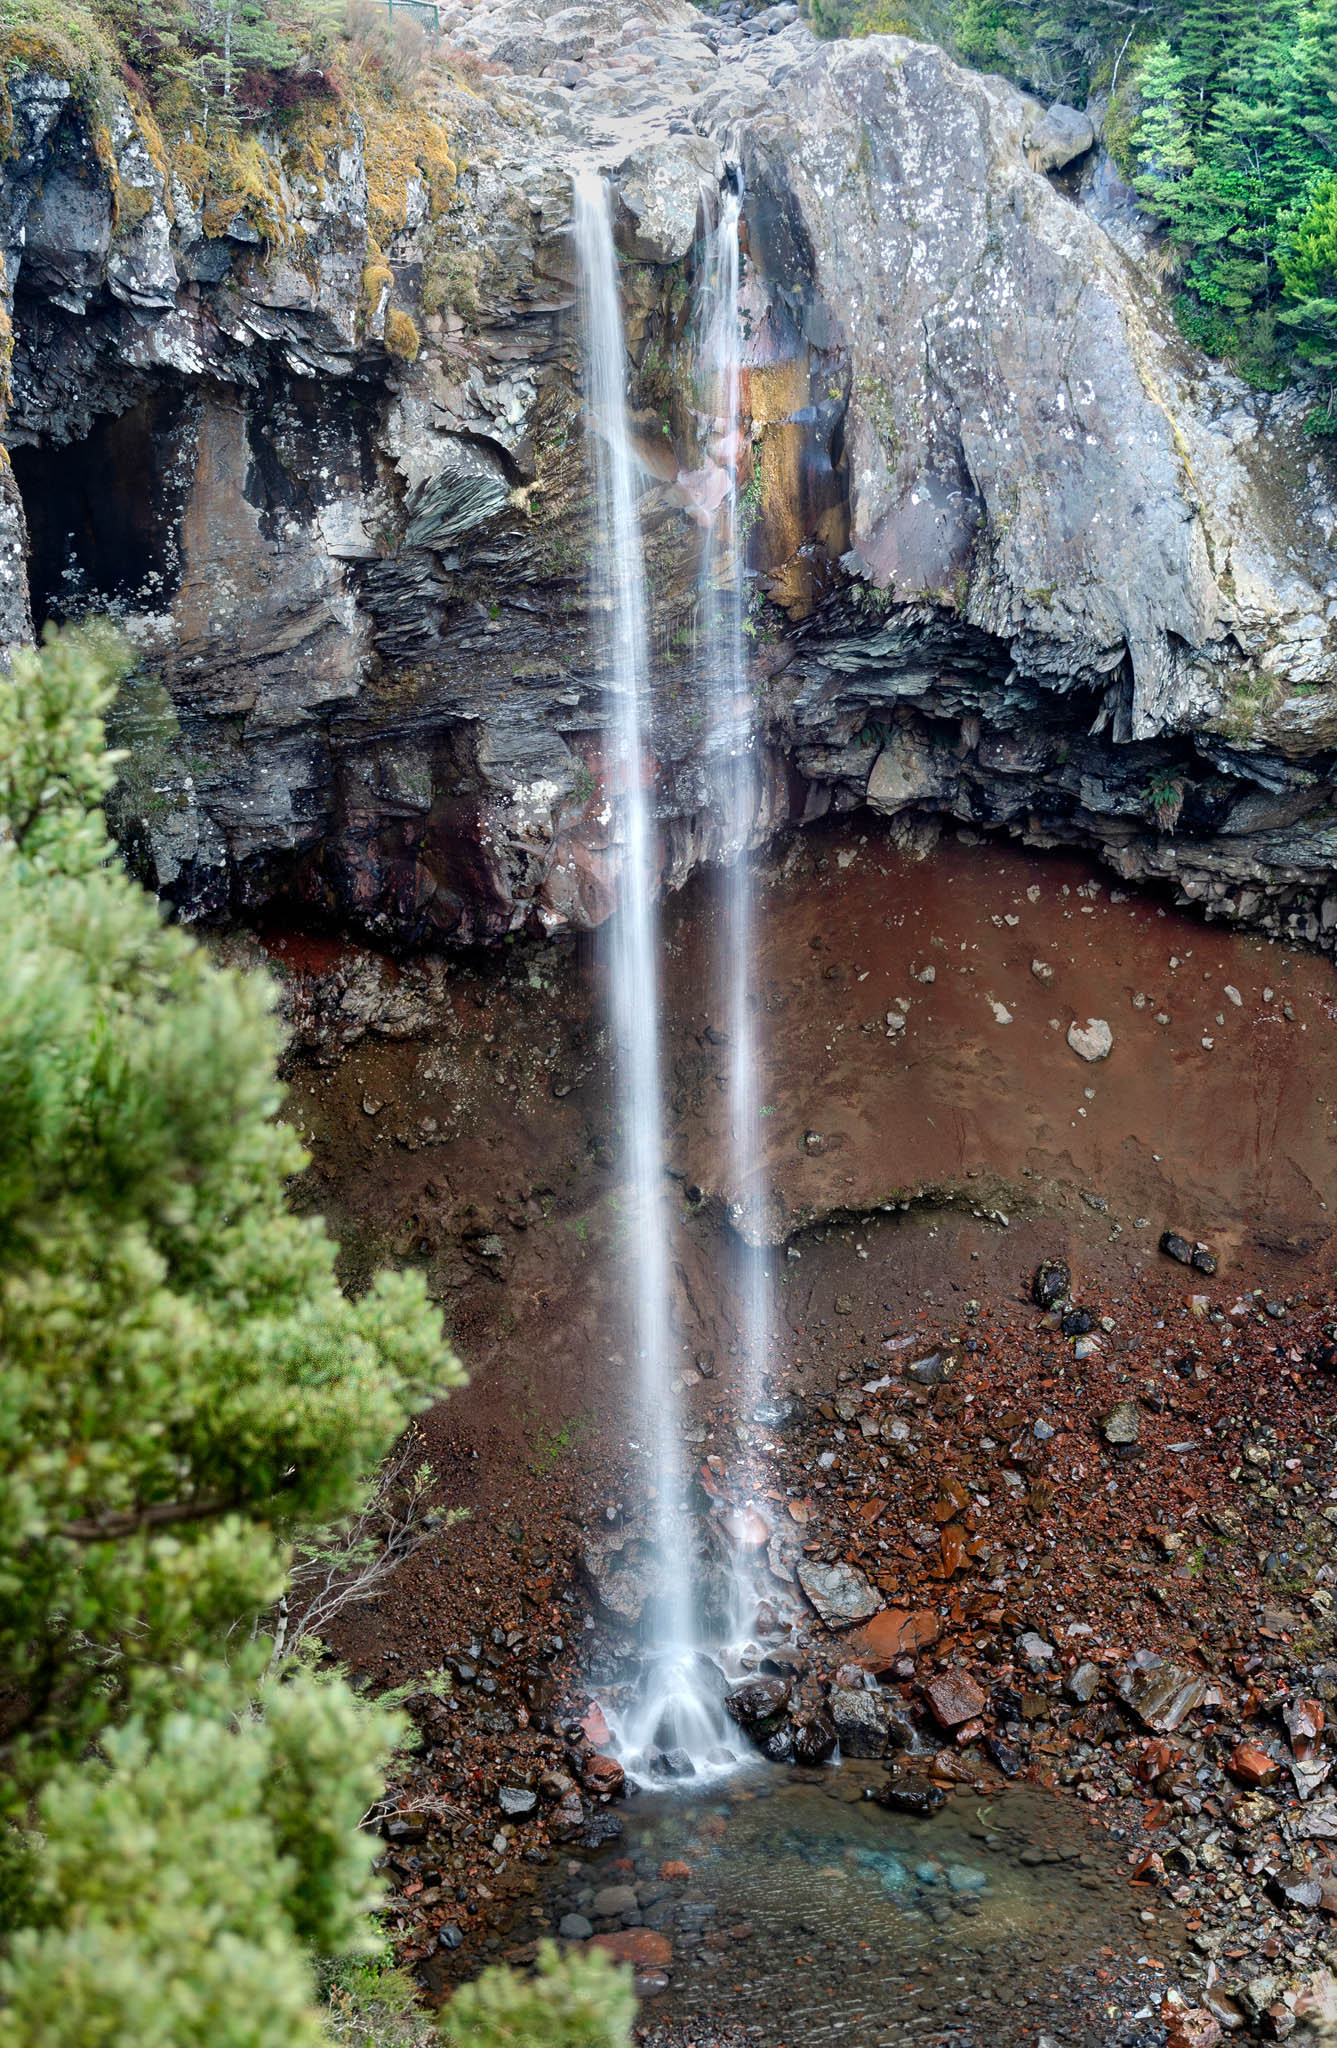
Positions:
{"x": 1020, "y": 559}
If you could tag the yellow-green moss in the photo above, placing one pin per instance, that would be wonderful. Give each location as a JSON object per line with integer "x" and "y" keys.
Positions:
{"x": 55, "y": 36}
{"x": 403, "y": 143}
{"x": 240, "y": 177}
{"x": 450, "y": 278}
{"x": 401, "y": 334}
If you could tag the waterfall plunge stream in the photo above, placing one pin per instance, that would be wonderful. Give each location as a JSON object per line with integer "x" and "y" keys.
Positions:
{"x": 719, "y": 329}
{"x": 678, "y": 1710}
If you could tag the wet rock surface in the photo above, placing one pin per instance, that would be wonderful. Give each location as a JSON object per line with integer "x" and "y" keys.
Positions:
{"x": 377, "y": 560}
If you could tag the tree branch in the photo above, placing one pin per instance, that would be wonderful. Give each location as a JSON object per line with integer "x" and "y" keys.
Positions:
{"x": 110, "y": 1527}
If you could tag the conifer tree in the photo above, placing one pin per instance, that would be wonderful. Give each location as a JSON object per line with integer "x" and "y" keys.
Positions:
{"x": 183, "y": 1385}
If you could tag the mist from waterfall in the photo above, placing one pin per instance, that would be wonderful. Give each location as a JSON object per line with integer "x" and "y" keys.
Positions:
{"x": 735, "y": 739}
{"x": 676, "y": 1710}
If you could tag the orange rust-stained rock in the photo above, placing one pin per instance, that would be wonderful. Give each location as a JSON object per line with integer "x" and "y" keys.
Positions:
{"x": 1193, "y": 2028}
{"x": 674, "y": 1868}
{"x": 639, "y": 1946}
{"x": 1252, "y": 1766}
{"x": 595, "y": 1727}
{"x": 603, "y": 1775}
{"x": 1304, "y": 1724}
{"x": 892, "y": 1632}
{"x": 954, "y": 1697}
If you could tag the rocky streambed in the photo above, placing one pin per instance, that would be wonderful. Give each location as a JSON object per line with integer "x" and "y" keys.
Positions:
{"x": 1041, "y": 1504}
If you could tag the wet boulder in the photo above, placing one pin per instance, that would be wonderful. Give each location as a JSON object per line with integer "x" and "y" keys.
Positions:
{"x": 603, "y": 1776}
{"x": 904, "y": 1792}
{"x": 758, "y": 1701}
{"x": 860, "y": 1720}
{"x": 1161, "y": 1695}
{"x": 954, "y": 1698}
{"x": 814, "y": 1737}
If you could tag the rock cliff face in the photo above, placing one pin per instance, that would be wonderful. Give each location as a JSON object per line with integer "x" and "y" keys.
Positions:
{"x": 1018, "y": 559}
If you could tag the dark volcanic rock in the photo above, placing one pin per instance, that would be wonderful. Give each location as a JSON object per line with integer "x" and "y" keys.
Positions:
{"x": 814, "y": 1737}
{"x": 378, "y": 698}
{"x": 1051, "y": 1284}
{"x": 905, "y": 1793}
{"x": 758, "y": 1700}
{"x": 860, "y": 1720}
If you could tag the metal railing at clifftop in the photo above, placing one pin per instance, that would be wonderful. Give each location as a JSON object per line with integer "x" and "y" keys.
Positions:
{"x": 423, "y": 11}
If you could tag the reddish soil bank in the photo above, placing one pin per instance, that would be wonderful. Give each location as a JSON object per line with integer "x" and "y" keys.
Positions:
{"x": 461, "y": 1118}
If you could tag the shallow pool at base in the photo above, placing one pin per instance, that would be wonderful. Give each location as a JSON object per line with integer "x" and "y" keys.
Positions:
{"x": 810, "y": 1915}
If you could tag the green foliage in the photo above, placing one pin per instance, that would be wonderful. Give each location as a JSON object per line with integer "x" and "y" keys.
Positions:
{"x": 1224, "y": 115}
{"x": 370, "y": 2004}
{"x": 1309, "y": 277}
{"x": 183, "y": 1386}
{"x": 578, "y": 2001}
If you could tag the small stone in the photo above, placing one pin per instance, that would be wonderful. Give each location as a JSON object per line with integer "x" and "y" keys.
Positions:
{"x": 1091, "y": 1041}
{"x": 839, "y": 1593}
{"x": 1296, "y": 1888}
{"x": 844, "y": 1304}
{"x": 1121, "y": 1425}
{"x": 1077, "y": 1322}
{"x": 517, "y": 1803}
{"x": 1185, "y": 1254}
{"x": 613, "y": 1900}
{"x": 1161, "y": 1695}
{"x": 1304, "y": 1724}
{"x": 1083, "y": 1684}
{"x": 1042, "y": 971}
{"x": 574, "y": 1927}
{"x": 449, "y": 1937}
{"x": 934, "y": 1370}
{"x": 1190, "y": 2027}
{"x": 674, "y": 1870}
{"x": 1034, "y": 1648}
{"x": 1052, "y": 1283}
{"x": 1252, "y": 1766}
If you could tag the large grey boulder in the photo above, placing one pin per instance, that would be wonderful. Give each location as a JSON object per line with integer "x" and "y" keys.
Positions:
{"x": 1059, "y": 137}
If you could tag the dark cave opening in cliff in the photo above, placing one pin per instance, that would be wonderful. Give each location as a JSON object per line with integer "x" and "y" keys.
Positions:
{"x": 103, "y": 514}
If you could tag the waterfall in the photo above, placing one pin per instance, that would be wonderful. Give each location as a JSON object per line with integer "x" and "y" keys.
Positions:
{"x": 735, "y": 737}
{"x": 676, "y": 1711}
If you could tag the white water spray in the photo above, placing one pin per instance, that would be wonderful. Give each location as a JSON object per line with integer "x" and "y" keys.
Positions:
{"x": 734, "y": 724}
{"x": 676, "y": 1711}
